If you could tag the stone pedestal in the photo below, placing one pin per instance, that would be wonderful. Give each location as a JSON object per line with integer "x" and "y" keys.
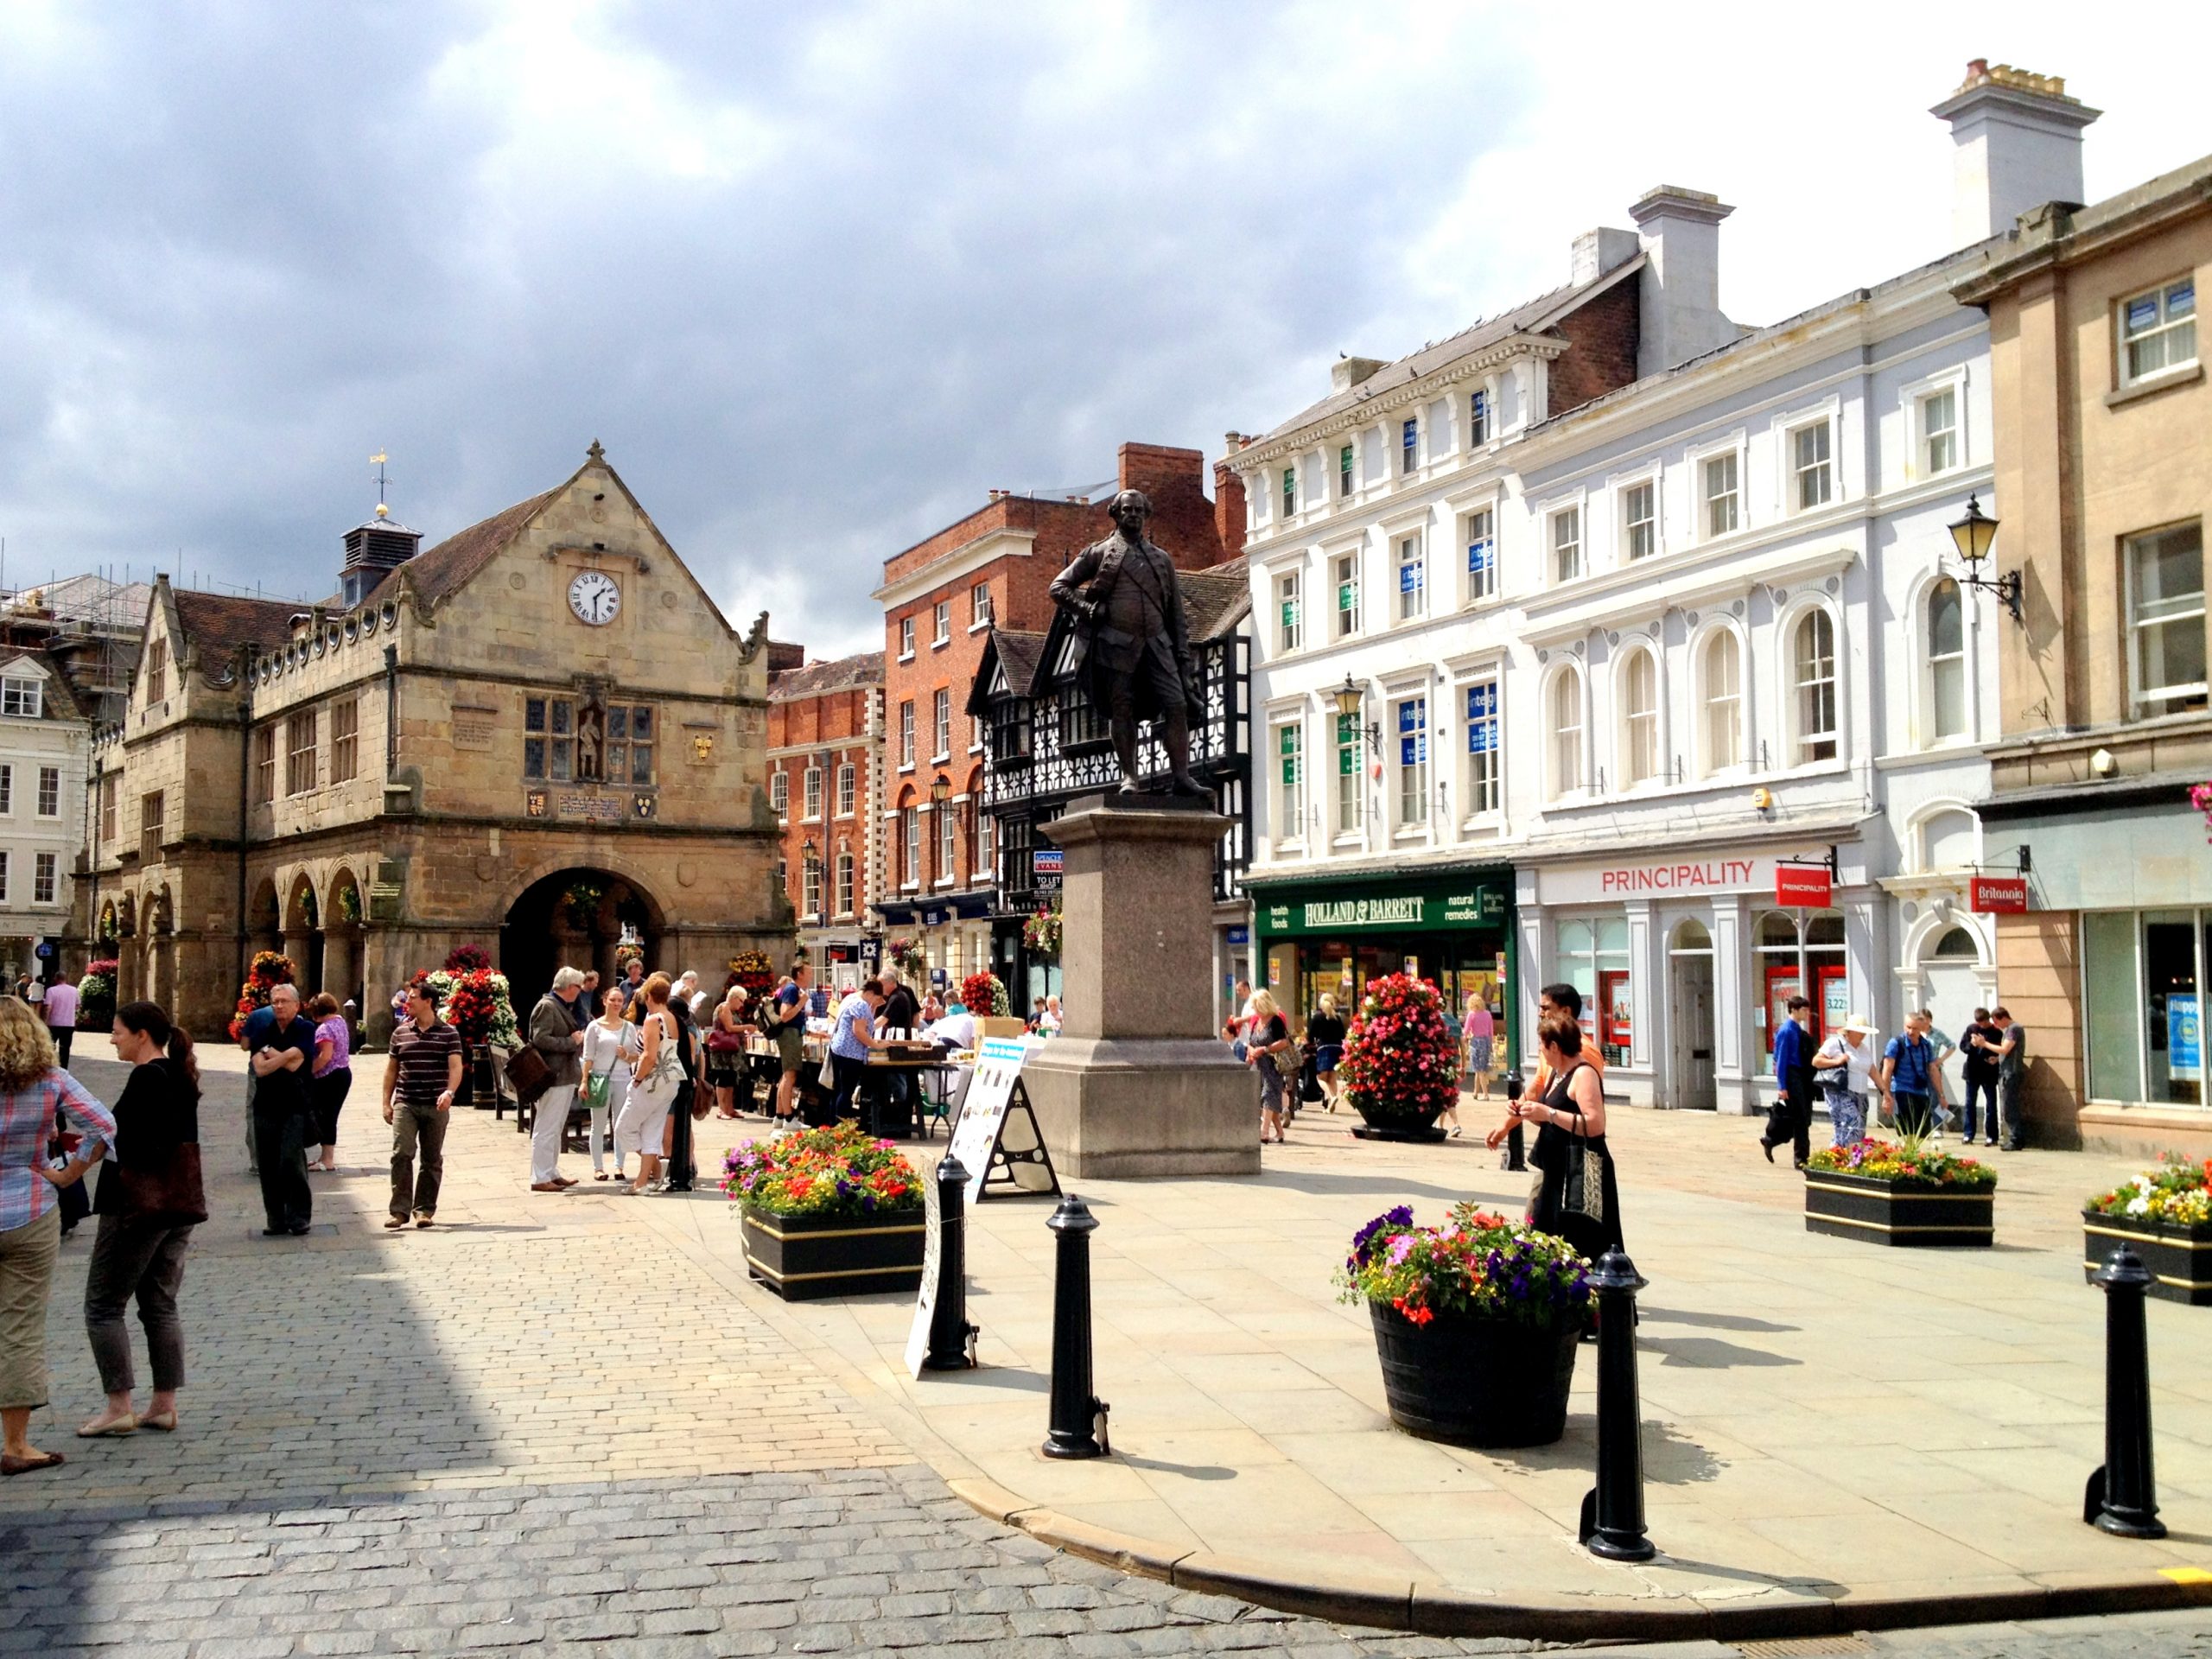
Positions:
{"x": 1138, "y": 1082}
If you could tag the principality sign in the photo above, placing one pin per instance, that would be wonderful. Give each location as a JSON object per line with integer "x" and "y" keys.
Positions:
{"x": 1664, "y": 878}
{"x": 1999, "y": 895}
{"x": 1804, "y": 887}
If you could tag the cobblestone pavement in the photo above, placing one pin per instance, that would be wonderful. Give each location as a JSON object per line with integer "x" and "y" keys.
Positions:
{"x": 544, "y": 1428}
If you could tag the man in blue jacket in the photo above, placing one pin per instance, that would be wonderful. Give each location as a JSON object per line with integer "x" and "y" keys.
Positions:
{"x": 1791, "y": 1120}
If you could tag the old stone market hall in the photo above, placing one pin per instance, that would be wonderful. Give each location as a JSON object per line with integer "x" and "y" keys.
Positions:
{"x": 536, "y": 736}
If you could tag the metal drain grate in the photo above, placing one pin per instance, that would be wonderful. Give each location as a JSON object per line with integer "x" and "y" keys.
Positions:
{"x": 1790, "y": 1647}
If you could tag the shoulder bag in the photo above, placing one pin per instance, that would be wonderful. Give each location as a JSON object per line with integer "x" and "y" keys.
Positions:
{"x": 1583, "y": 1191}
{"x": 528, "y": 1075}
{"x": 173, "y": 1195}
{"x": 660, "y": 1083}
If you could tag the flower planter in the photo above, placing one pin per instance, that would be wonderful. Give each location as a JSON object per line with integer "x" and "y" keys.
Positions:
{"x": 806, "y": 1258}
{"x": 1881, "y": 1211}
{"x": 1397, "y": 1125}
{"x": 1474, "y": 1380}
{"x": 2178, "y": 1254}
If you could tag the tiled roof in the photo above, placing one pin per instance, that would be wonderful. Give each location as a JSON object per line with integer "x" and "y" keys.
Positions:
{"x": 1215, "y": 599}
{"x": 814, "y": 679}
{"x": 220, "y": 622}
{"x": 444, "y": 567}
{"x": 1019, "y": 654}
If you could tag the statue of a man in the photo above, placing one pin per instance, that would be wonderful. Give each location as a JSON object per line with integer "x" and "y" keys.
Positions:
{"x": 1128, "y": 609}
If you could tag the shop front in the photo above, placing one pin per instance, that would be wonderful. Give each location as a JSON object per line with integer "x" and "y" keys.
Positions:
{"x": 1687, "y": 963}
{"x": 1452, "y": 927}
{"x": 2105, "y": 962}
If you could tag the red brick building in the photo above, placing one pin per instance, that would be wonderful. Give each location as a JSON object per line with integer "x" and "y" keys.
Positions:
{"x": 941, "y": 599}
{"x": 825, "y": 763}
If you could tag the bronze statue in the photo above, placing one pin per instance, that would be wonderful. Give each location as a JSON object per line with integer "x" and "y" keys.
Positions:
{"x": 1137, "y": 665}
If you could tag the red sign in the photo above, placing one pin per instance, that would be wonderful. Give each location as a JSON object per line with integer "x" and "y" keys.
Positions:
{"x": 2000, "y": 895}
{"x": 1809, "y": 887}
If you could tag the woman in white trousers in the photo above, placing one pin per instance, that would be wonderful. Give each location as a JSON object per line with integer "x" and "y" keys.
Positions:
{"x": 653, "y": 1087}
{"x": 611, "y": 1047}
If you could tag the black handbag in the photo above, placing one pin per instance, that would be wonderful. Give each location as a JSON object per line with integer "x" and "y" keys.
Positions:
{"x": 528, "y": 1074}
{"x": 174, "y": 1196}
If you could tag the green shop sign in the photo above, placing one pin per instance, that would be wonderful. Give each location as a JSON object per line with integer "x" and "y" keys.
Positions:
{"x": 1387, "y": 908}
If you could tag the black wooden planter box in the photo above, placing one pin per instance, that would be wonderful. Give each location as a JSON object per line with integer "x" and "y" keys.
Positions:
{"x": 2179, "y": 1257}
{"x": 1886, "y": 1212}
{"x": 805, "y": 1258}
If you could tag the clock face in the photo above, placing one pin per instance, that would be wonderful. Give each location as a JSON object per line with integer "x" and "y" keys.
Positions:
{"x": 595, "y": 598}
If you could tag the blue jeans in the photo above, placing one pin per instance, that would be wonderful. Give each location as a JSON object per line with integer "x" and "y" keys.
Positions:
{"x": 1986, "y": 1088}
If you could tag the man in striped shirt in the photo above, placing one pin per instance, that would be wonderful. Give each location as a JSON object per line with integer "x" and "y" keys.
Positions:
{"x": 420, "y": 1080}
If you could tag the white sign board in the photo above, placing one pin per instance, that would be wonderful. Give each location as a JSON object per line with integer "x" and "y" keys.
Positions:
{"x": 1696, "y": 876}
{"x": 998, "y": 1063}
{"x": 918, "y": 1339}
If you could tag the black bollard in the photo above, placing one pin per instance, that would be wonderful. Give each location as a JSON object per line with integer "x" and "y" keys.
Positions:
{"x": 1612, "y": 1512}
{"x": 2122, "y": 1497}
{"x": 1076, "y": 1412}
{"x": 1516, "y": 1146}
{"x": 951, "y": 1337}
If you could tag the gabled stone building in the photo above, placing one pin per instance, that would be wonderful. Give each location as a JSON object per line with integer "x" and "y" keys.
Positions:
{"x": 537, "y": 736}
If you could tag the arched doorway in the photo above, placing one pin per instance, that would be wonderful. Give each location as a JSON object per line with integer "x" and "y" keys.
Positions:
{"x": 264, "y": 926}
{"x": 303, "y": 934}
{"x": 342, "y": 937}
{"x": 573, "y": 918}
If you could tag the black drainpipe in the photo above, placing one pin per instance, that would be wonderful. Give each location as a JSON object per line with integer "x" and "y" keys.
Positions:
{"x": 246, "y": 795}
{"x": 390, "y": 711}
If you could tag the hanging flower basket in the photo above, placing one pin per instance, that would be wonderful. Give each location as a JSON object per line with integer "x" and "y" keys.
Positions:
{"x": 906, "y": 956}
{"x": 266, "y": 972}
{"x": 1401, "y": 1063}
{"x": 349, "y": 904}
{"x": 1042, "y": 933}
{"x": 982, "y": 996}
{"x": 751, "y": 970}
{"x": 2200, "y": 797}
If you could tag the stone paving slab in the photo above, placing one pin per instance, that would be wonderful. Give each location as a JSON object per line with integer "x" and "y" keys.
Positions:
{"x": 1828, "y": 1422}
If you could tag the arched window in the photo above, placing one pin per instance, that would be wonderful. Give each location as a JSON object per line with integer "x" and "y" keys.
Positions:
{"x": 1639, "y": 720}
{"x": 1566, "y": 734}
{"x": 844, "y": 881}
{"x": 1722, "y": 696}
{"x": 1813, "y": 670}
{"x": 1947, "y": 662}
{"x": 1957, "y": 943}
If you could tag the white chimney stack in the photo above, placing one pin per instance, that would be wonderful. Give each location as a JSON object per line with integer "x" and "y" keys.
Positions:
{"x": 1681, "y": 297}
{"x": 2018, "y": 140}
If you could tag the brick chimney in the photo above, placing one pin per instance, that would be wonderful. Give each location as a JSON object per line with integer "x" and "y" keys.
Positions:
{"x": 2017, "y": 145}
{"x": 1229, "y": 503}
{"x": 1681, "y": 296}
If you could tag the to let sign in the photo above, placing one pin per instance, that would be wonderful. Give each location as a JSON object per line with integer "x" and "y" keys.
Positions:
{"x": 1807, "y": 887}
{"x": 1999, "y": 895}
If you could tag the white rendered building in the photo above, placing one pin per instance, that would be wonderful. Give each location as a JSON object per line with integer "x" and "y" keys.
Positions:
{"x": 1627, "y": 661}
{"x": 45, "y": 744}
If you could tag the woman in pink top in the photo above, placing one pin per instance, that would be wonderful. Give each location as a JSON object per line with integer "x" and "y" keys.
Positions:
{"x": 1480, "y": 1031}
{"x": 332, "y": 1076}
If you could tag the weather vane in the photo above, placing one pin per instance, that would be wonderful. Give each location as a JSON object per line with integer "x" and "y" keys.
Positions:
{"x": 377, "y": 460}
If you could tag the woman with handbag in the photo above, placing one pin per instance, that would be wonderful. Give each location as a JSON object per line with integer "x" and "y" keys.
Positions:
{"x": 148, "y": 1200}
{"x": 653, "y": 1087}
{"x": 331, "y": 1077}
{"x": 35, "y": 1095}
{"x": 1576, "y": 1196}
{"x": 612, "y": 1045}
{"x": 726, "y": 1050}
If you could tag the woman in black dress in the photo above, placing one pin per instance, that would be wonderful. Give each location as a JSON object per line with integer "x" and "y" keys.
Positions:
{"x": 1570, "y": 1121}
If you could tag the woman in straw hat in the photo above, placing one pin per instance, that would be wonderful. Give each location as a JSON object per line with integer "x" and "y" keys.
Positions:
{"x": 1844, "y": 1067}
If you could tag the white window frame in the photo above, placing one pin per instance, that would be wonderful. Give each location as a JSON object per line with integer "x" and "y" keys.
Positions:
{"x": 941, "y": 723}
{"x": 987, "y": 830}
{"x": 1347, "y": 476}
{"x": 1482, "y": 415}
{"x": 779, "y": 792}
{"x": 1794, "y": 477}
{"x": 1702, "y": 647}
{"x": 1482, "y": 584}
{"x": 1652, "y": 730}
{"x": 1800, "y": 738}
{"x": 979, "y": 606}
{"x": 1339, "y": 564}
{"x": 1566, "y": 776}
{"x": 2142, "y": 701}
{"x": 1931, "y": 732}
{"x": 23, "y": 699}
{"x": 848, "y": 886}
{"x": 905, "y": 638}
{"x": 940, "y": 625}
{"x": 1483, "y": 785}
{"x": 45, "y": 878}
{"x": 49, "y": 789}
{"x": 1413, "y": 778}
{"x": 1626, "y": 491}
{"x": 906, "y": 735}
{"x": 8, "y": 791}
{"x": 1916, "y": 398}
{"x": 1417, "y": 561}
{"x": 5, "y": 859}
{"x": 1348, "y": 820}
{"x": 1409, "y": 445}
{"x": 810, "y": 794}
{"x": 910, "y": 845}
{"x": 1290, "y": 820}
{"x": 1290, "y": 610}
{"x": 1732, "y": 456}
{"x": 1289, "y": 485}
{"x": 948, "y": 845}
{"x": 810, "y": 883}
{"x": 1569, "y": 516}
{"x": 2165, "y": 326}
{"x": 848, "y": 788}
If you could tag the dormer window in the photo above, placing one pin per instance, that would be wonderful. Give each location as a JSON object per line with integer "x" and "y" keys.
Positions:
{"x": 157, "y": 669}
{"x": 22, "y": 699}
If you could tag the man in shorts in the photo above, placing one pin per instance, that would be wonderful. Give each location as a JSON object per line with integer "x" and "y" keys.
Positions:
{"x": 789, "y": 1011}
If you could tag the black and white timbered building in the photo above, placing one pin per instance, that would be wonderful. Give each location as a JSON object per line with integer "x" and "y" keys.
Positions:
{"x": 1049, "y": 744}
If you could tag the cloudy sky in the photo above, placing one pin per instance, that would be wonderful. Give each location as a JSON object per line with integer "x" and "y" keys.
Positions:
{"x": 821, "y": 276}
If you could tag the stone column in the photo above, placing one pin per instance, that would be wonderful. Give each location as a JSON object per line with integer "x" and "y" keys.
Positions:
{"x": 1734, "y": 1036}
{"x": 1139, "y": 1083}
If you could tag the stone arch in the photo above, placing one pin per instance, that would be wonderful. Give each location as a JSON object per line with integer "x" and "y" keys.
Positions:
{"x": 345, "y": 913}
{"x": 160, "y": 948}
{"x": 574, "y": 913}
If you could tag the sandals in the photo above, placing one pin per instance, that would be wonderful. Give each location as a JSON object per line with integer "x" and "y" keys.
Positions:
{"x": 114, "y": 1427}
{"x": 14, "y": 1466}
{"x": 164, "y": 1421}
